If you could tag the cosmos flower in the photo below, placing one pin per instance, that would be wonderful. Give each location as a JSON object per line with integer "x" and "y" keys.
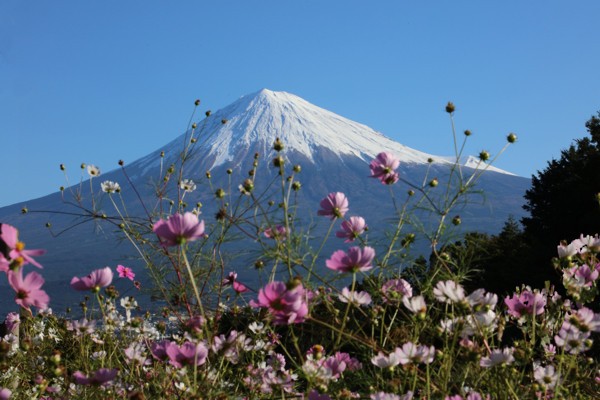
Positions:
{"x": 526, "y": 302}
{"x": 351, "y": 229}
{"x": 356, "y": 298}
{"x": 278, "y": 232}
{"x": 497, "y": 356}
{"x": 110, "y": 187}
{"x": 188, "y": 353}
{"x": 93, "y": 171}
{"x": 449, "y": 292}
{"x": 178, "y": 229}
{"x": 125, "y": 272}
{"x": 395, "y": 290}
{"x": 335, "y": 205}
{"x": 17, "y": 255}
{"x": 287, "y": 306}
{"x": 29, "y": 292}
{"x": 101, "y": 377}
{"x": 383, "y": 167}
{"x": 187, "y": 185}
{"x": 97, "y": 279}
{"x": 355, "y": 260}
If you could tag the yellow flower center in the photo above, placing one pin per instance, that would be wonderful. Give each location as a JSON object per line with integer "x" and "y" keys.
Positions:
{"x": 19, "y": 246}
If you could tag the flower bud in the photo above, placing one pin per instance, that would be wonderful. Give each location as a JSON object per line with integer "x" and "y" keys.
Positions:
{"x": 223, "y": 121}
{"x": 259, "y": 264}
{"x": 296, "y": 186}
{"x": 208, "y": 174}
{"x": 220, "y": 193}
{"x": 456, "y": 220}
{"x": 411, "y": 192}
{"x": 207, "y": 113}
{"x": 297, "y": 168}
{"x": 433, "y": 183}
{"x": 82, "y": 165}
{"x": 62, "y": 167}
{"x": 24, "y": 210}
{"x": 229, "y": 171}
{"x": 193, "y": 140}
{"x": 277, "y": 145}
{"x": 197, "y": 102}
{"x": 484, "y": 156}
{"x": 467, "y": 133}
{"x": 121, "y": 162}
{"x": 450, "y": 107}
{"x": 278, "y": 161}
{"x": 511, "y": 138}
{"x": 194, "y": 125}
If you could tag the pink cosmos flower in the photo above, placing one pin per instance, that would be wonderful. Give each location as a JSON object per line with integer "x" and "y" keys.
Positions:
{"x": 178, "y": 229}
{"x": 5, "y": 393}
{"x": 16, "y": 249}
{"x": 12, "y": 322}
{"x": 159, "y": 350}
{"x": 278, "y": 232}
{"x": 103, "y": 377}
{"x": 125, "y": 272}
{"x": 29, "y": 292}
{"x": 335, "y": 205}
{"x": 97, "y": 279}
{"x": 395, "y": 290}
{"x": 232, "y": 281}
{"x": 383, "y": 168}
{"x": 355, "y": 260}
{"x": 187, "y": 354}
{"x": 287, "y": 306}
{"x": 351, "y": 229}
{"x": 389, "y": 361}
{"x": 527, "y": 302}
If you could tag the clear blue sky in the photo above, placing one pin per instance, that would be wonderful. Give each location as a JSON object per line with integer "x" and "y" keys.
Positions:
{"x": 99, "y": 81}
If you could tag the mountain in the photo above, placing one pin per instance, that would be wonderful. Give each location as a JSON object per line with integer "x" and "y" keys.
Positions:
{"x": 333, "y": 153}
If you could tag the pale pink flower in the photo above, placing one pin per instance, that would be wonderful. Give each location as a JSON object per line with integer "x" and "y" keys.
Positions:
{"x": 412, "y": 353}
{"x": 28, "y": 290}
{"x": 546, "y": 376}
{"x": 135, "y": 354}
{"x": 527, "y": 302}
{"x": 383, "y": 167}
{"x": 232, "y": 281}
{"x": 188, "y": 353}
{"x": 449, "y": 292}
{"x": 355, "y": 260}
{"x": 12, "y": 322}
{"x": 179, "y": 229}
{"x": 81, "y": 327}
{"x": 572, "y": 339}
{"x": 353, "y": 297}
{"x": 101, "y": 377}
{"x": 396, "y": 290}
{"x": 497, "y": 356}
{"x": 314, "y": 395}
{"x": 584, "y": 319}
{"x": 97, "y": 279}
{"x": 384, "y": 396}
{"x": 17, "y": 255}
{"x": 286, "y": 305}
{"x": 5, "y": 393}
{"x": 389, "y": 361}
{"x": 125, "y": 272}
{"x": 335, "y": 205}
{"x": 352, "y": 229}
{"x": 278, "y": 232}
{"x": 415, "y": 304}
{"x": 568, "y": 250}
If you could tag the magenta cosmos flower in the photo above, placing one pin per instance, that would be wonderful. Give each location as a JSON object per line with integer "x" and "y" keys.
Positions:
{"x": 29, "y": 292}
{"x": 286, "y": 305}
{"x": 125, "y": 272}
{"x": 178, "y": 229}
{"x": 355, "y": 260}
{"x": 103, "y": 376}
{"x": 16, "y": 253}
{"x": 527, "y": 302}
{"x": 97, "y": 279}
{"x": 335, "y": 205}
{"x": 383, "y": 168}
{"x": 351, "y": 229}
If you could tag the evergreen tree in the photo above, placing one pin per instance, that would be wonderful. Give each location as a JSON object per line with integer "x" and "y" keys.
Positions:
{"x": 563, "y": 200}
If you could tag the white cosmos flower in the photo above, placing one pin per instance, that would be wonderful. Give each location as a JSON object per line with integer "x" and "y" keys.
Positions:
{"x": 449, "y": 292}
{"x": 356, "y": 298}
{"x": 110, "y": 187}
{"x": 93, "y": 171}
{"x": 187, "y": 185}
{"x": 415, "y": 304}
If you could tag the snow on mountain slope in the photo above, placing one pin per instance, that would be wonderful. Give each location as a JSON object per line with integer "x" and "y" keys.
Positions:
{"x": 257, "y": 119}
